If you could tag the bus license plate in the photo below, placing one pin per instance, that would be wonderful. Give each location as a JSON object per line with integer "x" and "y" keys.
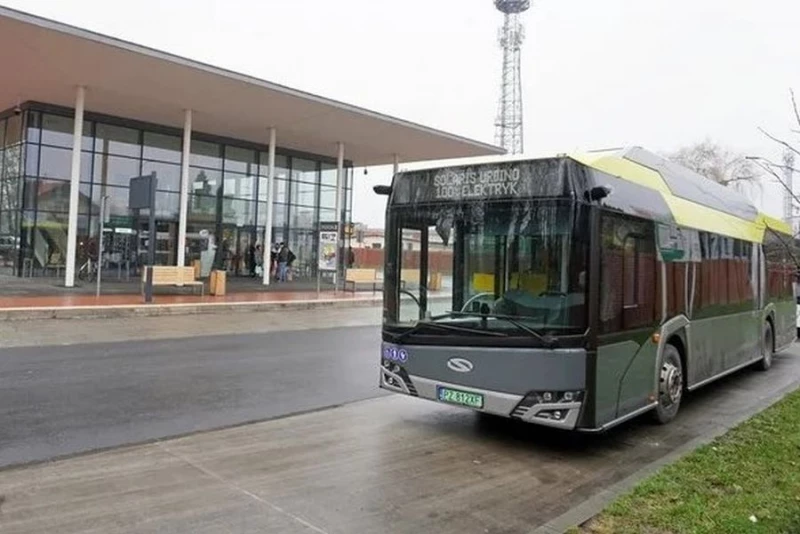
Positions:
{"x": 463, "y": 398}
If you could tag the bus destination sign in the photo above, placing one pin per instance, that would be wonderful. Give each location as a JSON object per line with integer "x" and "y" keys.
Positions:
{"x": 476, "y": 183}
{"x": 481, "y": 182}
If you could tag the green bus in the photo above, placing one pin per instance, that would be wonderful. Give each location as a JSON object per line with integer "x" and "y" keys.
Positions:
{"x": 577, "y": 291}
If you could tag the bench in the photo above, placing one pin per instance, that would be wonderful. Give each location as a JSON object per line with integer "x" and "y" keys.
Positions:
{"x": 172, "y": 275}
{"x": 410, "y": 278}
{"x": 361, "y": 276}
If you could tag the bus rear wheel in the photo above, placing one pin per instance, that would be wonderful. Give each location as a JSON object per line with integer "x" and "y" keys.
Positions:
{"x": 767, "y": 348}
{"x": 670, "y": 385}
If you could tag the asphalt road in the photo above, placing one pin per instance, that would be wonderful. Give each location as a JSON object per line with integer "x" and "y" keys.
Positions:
{"x": 60, "y": 400}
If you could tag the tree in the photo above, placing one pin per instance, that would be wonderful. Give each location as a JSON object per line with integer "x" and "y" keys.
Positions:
{"x": 790, "y": 149}
{"x": 717, "y": 163}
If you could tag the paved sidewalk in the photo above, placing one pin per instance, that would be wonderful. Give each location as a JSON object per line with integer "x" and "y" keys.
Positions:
{"x": 72, "y": 306}
{"x": 45, "y": 332}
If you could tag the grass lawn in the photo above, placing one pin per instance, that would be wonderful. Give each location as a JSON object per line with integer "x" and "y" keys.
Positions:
{"x": 747, "y": 480}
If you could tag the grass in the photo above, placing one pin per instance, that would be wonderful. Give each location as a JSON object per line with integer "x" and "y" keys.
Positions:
{"x": 747, "y": 480}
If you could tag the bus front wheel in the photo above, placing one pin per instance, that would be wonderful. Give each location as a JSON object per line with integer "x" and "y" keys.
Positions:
{"x": 767, "y": 348}
{"x": 670, "y": 385}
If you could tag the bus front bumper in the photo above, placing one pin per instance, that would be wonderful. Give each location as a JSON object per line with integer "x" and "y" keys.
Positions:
{"x": 557, "y": 409}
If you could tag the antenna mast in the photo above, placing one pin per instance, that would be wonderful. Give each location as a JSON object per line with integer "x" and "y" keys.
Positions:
{"x": 508, "y": 126}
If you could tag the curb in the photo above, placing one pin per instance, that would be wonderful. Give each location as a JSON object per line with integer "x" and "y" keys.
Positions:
{"x": 591, "y": 507}
{"x": 157, "y": 310}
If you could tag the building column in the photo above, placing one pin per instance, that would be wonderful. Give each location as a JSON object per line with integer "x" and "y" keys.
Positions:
{"x": 396, "y": 165}
{"x": 184, "y": 209}
{"x": 267, "y": 243}
{"x": 74, "y": 188}
{"x": 340, "y": 179}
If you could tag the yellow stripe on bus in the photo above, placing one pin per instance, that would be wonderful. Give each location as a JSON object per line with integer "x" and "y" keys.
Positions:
{"x": 685, "y": 212}
{"x": 626, "y": 170}
{"x": 699, "y": 217}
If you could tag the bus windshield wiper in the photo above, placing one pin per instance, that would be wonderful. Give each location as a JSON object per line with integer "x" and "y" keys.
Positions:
{"x": 548, "y": 340}
{"x": 442, "y": 326}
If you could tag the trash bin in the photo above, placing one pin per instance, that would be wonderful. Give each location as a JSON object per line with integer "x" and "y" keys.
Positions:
{"x": 217, "y": 283}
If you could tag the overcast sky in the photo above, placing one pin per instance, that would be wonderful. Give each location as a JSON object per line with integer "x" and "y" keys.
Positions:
{"x": 596, "y": 73}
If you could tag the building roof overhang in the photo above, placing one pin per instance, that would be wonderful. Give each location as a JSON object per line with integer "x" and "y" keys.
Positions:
{"x": 45, "y": 61}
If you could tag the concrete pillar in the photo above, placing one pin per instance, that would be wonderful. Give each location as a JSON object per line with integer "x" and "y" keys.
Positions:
{"x": 184, "y": 209}
{"x": 340, "y": 179}
{"x": 74, "y": 188}
{"x": 267, "y": 243}
{"x": 396, "y": 164}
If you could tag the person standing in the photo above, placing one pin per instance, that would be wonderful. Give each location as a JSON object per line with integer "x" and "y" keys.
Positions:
{"x": 283, "y": 262}
{"x": 251, "y": 259}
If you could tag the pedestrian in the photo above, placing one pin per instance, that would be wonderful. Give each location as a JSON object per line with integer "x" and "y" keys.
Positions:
{"x": 273, "y": 261}
{"x": 259, "y": 261}
{"x": 251, "y": 259}
{"x": 289, "y": 262}
{"x": 283, "y": 262}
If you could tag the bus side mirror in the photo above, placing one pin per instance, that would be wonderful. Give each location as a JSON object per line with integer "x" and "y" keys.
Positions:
{"x": 597, "y": 193}
{"x": 385, "y": 190}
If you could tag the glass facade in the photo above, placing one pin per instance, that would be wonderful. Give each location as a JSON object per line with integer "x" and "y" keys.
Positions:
{"x": 227, "y": 206}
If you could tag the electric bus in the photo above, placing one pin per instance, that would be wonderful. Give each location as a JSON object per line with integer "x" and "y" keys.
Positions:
{"x": 577, "y": 291}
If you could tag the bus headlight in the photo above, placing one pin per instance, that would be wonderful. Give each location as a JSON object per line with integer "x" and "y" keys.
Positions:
{"x": 553, "y": 397}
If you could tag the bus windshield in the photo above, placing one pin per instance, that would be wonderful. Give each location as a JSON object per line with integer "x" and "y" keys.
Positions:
{"x": 517, "y": 266}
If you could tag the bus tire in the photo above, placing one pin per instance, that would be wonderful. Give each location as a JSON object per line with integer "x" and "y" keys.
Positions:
{"x": 670, "y": 385}
{"x": 767, "y": 348}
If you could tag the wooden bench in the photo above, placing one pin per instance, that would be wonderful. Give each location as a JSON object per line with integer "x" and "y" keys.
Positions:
{"x": 410, "y": 279}
{"x": 172, "y": 275}
{"x": 361, "y": 276}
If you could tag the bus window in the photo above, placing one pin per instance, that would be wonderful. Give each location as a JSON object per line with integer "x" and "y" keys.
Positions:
{"x": 426, "y": 269}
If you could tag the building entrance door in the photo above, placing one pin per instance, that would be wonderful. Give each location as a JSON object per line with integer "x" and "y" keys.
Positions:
{"x": 237, "y": 256}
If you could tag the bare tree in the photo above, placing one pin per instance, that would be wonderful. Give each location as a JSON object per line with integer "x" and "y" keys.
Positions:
{"x": 717, "y": 163}
{"x": 777, "y": 171}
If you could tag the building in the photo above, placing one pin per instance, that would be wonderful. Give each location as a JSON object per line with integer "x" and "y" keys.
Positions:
{"x": 215, "y": 140}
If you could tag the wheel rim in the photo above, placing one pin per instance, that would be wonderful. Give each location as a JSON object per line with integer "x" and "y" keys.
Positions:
{"x": 671, "y": 384}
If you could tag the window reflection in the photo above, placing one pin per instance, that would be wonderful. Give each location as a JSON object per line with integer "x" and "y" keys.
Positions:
{"x": 115, "y": 170}
{"x": 328, "y": 176}
{"x": 204, "y": 181}
{"x": 208, "y": 155}
{"x": 239, "y": 186}
{"x": 281, "y": 166}
{"x": 302, "y": 217}
{"x": 304, "y": 170}
{"x": 327, "y": 215}
{"x": 304, "y": 194}
{"x": 117, "y": 140}
{"x": 167, "y": 174}
{"x": 162, "y": 147}
{"x": 240, "y": 160}
{"x": 57, "y": 163}
{"x": 327, "y": 197}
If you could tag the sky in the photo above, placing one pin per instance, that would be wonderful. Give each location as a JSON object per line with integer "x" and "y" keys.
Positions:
{"x": 596, "y": 73}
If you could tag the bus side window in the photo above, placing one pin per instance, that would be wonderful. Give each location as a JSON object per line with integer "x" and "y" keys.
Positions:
{"x": 627, "y": 275}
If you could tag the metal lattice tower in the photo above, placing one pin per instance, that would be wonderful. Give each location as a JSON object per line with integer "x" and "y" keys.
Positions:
{"x": 508, "y": 126}
{"x": 788, "y": 176}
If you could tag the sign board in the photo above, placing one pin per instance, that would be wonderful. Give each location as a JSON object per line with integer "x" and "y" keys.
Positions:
{"x": 140, "y": 194}
{"x": 123, "y": 221}
{"x": 328, "y": 246}
{"x": 483, "y": 182}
